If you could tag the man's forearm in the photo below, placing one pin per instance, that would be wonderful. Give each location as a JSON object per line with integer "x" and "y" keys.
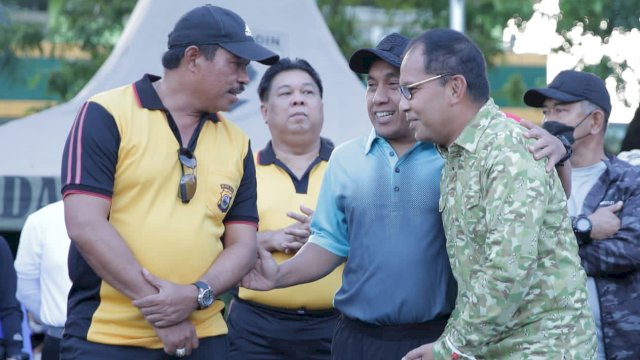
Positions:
{"x": 234, "y": 262}
{"x": 102, "y": 247}
{"x": 311, "y": 263}
{"x": 108, "y": 255}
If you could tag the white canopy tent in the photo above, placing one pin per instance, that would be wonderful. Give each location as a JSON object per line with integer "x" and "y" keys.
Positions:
{"x": 31, "y": 148}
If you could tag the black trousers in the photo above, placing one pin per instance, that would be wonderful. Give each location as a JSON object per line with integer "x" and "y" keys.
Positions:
{"x": 51, "y": 348}
{"x": 74, "y": 348}
{"x": 257, "y": 332}
{"x": 354, "y": 339}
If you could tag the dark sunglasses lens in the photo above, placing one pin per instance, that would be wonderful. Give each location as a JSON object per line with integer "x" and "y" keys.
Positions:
{"x": 188, "y": 184}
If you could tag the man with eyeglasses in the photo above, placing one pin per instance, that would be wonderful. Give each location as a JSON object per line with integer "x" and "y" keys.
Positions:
{"x": 604, "y": 208}
{"x": 160, "y": 200}
{"x": 521, "y": 289}
{"x": 378, "y": 209}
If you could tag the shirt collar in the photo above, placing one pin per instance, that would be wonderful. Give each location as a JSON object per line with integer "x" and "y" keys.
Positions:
{"x": 373, "y": 137}
{"x": 472, "y": 132}
{"x": 148, "y": 97}
{"x": 267, "y": 156}
{"x": 370, "y": 140}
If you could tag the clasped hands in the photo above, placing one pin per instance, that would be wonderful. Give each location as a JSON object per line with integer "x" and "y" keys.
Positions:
{"x": 291, "y": 238}
{"x": 168, "y": 313}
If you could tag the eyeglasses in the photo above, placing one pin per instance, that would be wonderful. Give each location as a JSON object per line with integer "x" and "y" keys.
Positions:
{"x": 188, "y": 181}
{"x": 405, "y": 90}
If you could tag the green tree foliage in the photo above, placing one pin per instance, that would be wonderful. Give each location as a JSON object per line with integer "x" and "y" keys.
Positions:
{"x": 91, "y": 26}
{"x": 27, "y": 4}
{"x": 94, "y": 27}
{"x": 600, "y": 18}
{"x": 26, "y": 35}
{"x": 484, "y": 20}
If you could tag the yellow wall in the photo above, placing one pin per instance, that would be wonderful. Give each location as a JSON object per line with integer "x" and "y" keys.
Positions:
{"x": 530, "y": 114}
{"x": 19, "y": 108}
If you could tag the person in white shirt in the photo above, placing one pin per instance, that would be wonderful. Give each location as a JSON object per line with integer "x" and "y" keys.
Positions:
{"x": 43, "y": 278}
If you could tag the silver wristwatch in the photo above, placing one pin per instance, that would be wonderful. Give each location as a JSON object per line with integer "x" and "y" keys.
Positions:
{"x": 205, "y": 295}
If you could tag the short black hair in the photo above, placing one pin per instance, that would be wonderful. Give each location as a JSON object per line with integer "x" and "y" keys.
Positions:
{"x": 286, "y": 64}
{"x": 172, "y": 57}
{"x": 451, "y": 52}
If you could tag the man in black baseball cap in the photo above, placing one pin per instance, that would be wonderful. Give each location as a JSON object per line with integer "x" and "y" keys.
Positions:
{"x": 603, "y": 207}
{"x": 213, "y": 25}
{"x": 381, "y": 66}
{"x": 571, "y": 86}
{"x": 569, "y": 100}
{"x": 131, "y": 168}
{"x": 389, "y": 49}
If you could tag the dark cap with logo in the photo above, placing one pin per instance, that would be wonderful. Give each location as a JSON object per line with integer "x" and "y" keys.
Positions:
{"x": 390, "y": 50}
{"x": 209, "y": 25}
{"x": 571, "y": 86}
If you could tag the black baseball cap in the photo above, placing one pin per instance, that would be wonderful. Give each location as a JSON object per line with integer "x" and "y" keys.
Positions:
{"x": 390, "y": 50}
{"x": 571, "y": 86}
{"x": 209, "y": 25}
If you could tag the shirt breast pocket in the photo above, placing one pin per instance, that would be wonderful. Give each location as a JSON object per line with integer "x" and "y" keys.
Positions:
{"x": 221, "y": 190}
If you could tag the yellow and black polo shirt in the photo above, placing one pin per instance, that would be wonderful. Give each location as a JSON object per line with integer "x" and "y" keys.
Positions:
{"x": 124, "y": 147}
{"x": 280, "y": 191}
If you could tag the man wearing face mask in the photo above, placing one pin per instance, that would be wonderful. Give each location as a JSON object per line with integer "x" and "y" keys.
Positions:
{"x": 604, "y": 207}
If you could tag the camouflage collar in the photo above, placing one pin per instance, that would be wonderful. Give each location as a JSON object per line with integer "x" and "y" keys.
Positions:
{"x": 471, "y": 134}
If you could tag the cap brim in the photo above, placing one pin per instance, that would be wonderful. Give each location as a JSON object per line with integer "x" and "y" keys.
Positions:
{"x": 536, "y": 97}
{"x": 361, "y": 60}
{"x": 251, "y": 51}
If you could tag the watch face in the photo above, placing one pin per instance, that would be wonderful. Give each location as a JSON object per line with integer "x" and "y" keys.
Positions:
{"x": 583, "y": 224}
{"x": 207, "y": 297}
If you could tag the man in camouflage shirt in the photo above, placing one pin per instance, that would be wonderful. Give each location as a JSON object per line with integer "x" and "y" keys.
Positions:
{"x": 604, "y": 206}
{"x": 521, "y": 289}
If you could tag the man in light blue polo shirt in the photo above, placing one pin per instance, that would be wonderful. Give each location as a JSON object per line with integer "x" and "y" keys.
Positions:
{"x": 378, "y": 208}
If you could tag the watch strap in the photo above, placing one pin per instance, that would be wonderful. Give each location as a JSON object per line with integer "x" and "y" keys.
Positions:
{"x": 567, "y": 146}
